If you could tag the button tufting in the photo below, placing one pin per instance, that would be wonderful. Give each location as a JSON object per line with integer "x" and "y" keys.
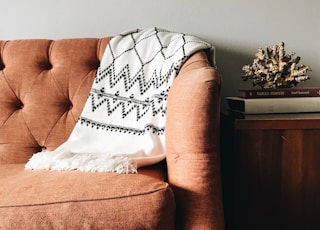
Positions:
{"x": 70, "y": 105}
{"x": 43, "y": 148}
{"x": 45, "y": 66}
{"x": 19, "y": 105}
{"x": 49, "y": 66}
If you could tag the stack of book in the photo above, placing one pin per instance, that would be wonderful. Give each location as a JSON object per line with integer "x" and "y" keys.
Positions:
{"x": 275, "y": 101}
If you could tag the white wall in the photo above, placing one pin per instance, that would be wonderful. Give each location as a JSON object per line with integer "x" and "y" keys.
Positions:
{"x": 235, "y": 27}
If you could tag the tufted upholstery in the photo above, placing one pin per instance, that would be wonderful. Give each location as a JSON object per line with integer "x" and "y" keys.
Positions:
{"x": 43, "y": 87}
{"x": 43, "y": 83}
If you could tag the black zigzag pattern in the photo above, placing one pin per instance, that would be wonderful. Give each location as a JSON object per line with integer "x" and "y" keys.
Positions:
{"x": 124, "y": 75}
{"x": 121, "y": 129}
{"x": 127, "y": 105}
{"x": 157, "y": 78}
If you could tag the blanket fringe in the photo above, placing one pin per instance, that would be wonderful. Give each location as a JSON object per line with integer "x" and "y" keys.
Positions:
{"x": 82, "y": 162}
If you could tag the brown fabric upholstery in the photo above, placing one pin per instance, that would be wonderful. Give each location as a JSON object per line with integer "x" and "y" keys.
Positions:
{"x": 77, "y": 200}
{"x": 192, "y": 142}
{"x": 43, "y": 87}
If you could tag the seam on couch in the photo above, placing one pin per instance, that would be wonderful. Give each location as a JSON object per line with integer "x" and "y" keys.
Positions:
{"x": 98, "y": 49}
{"x": 85, "y": 200}
{"x": 67, "y": 98}
{"x": 6, "y": 80}
{"x": 5, "y": 121}
{"x": 16, "y": 96}
{"x": 52, "y": 42}
{"x": 29, "y": 130}
{"x": 86, "y": 76}
{"x": 3, "y": 47}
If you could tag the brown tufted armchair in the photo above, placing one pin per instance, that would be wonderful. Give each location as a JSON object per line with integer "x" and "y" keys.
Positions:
{"x": 43, "y": 87}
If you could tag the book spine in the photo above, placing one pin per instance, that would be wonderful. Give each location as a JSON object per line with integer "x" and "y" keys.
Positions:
{"x": 275, "y": 105}
{"x": 255, "y": 93}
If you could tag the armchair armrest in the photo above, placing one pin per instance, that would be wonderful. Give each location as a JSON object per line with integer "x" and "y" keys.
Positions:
{"x": 192, "y": 145}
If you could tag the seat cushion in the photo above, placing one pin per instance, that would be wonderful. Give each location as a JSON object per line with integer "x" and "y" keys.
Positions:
{"x": 80, "y": 200}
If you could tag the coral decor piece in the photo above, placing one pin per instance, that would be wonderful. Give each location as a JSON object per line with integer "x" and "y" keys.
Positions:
{"x": 273, "y": 68}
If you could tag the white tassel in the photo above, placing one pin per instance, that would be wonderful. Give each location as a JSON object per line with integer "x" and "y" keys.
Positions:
{"x": 82, "y": 162}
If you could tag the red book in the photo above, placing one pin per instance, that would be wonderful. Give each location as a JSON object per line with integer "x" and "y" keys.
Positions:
{"x": 283, "y": 92}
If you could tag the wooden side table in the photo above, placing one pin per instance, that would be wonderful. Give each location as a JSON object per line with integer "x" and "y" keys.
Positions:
{"x": 271, "y": 171}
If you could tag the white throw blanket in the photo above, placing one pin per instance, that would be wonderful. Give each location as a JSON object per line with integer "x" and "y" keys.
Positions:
{"x": 122, "y": 124}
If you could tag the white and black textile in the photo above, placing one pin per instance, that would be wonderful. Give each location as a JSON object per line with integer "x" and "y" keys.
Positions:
{"x": 122, "y": 125}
